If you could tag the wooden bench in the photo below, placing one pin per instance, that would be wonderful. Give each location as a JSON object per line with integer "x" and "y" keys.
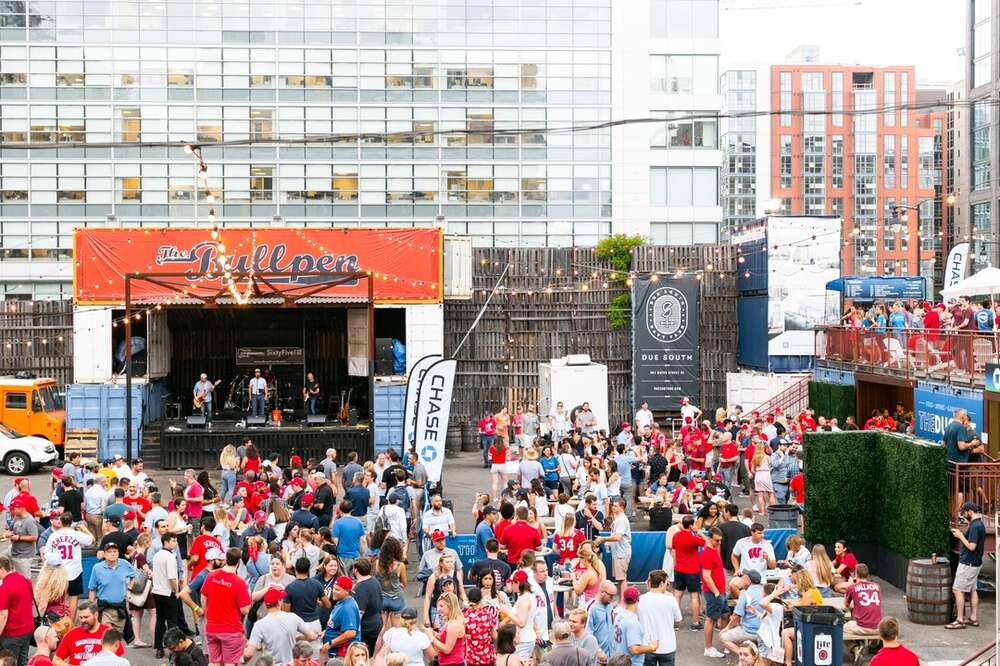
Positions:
{"x": 82, "y": 441}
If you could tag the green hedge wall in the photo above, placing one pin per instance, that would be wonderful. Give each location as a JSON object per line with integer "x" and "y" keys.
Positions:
{"x": 832, "y": 400}
{"x": 871, "y": 487}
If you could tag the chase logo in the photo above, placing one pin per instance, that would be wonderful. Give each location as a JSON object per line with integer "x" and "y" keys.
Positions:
{"x": 667, "y": 314}
{"x": 428, "y": 453}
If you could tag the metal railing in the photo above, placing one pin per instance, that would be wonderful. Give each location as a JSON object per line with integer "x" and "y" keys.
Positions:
{"x": 958, "y": 357}
{"x": 977, "y": 482}
{"x": 985, "y": 657}
{"x": 792, "y": 399}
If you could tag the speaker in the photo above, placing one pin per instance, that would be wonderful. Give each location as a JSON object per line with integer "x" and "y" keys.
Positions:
{"x": 352, "y": 416}
{"x": 196, "y": 421}
{"x": 383, "y": 367}
{"x": 255, "y": 421}
{"x": 315, "y": 419}
{"x": 383, "y": 349}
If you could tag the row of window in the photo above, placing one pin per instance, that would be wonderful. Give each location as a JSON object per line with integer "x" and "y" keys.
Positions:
{"x": 684, "y": 74}
{"x": 684, "y": 186}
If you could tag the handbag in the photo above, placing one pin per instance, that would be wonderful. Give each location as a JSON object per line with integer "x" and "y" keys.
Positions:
{"x": 138, "y": 599}
{"x": 138, "y": 583}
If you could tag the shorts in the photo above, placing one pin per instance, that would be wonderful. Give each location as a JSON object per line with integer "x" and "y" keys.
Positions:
{"x": 852, "y": 631}
{"x": 715, "y": 605}
{"x": 525, "y": 650}
{"x": 619, "y": 568}
{"x": 225, "y": 648}
{"x": 687, "y": 582}
{"x": 965, "y": 578}
{"x": 498, "y": 469}
{"x": 737, "y": 635}
{"x": 393, "y": 604}
{"x": 75, "y": 588}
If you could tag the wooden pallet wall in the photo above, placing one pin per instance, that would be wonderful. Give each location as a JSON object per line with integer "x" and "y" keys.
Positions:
{"x": 41, "y": 323}
{"x": 544, "y": 312}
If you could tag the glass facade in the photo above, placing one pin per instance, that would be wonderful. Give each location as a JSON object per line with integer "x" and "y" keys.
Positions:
{"x": 739, "y": 181}
{"x": 411, "y": 98}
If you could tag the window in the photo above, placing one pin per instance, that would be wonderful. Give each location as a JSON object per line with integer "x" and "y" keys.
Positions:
{"x": 785, "y": 161}
{"x": 904, "y": 98}
{"x": 785, "y": 98}
{"x": 837, "y": 161}
{"x": 684, "y": 186}
{"x": 131, "y": 125}
{"x": 16, "y": 401}
{"x": 981, "y": 121}
{"x": 180, "y": 78}
{"x": 130, "y": 188}
{"x": 345, "y": 183}
{"x": 682, "y": 131}
{"x": 261, "y": 81}
{"x": 889, "y": 162}
{"x": 261, "y": 123}
{"x": 982, "y": 61}
{"x": 684, "y": 18}
{"x": 684, "y": 233}
{"x": 837, "y": 98}
{"x": 261, "y": 183}
{"x": 925, "y": 162}
{"x": 889, "y": 95}
{"x": 71, "y": 79}
{"x": 685, "y": 74}
{"x": 904, "y": 162}
{"x": 13, "y": 79}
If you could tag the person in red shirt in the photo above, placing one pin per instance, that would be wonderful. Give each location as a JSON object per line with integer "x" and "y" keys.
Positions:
{"x": 487, "y": 435}
{"x": 687, "y": 568}
{"x": 567, "y": 539}
{"x": 506, "y": 515}
{"x": 863, "y": 598}
{"x": 892, "y": 653}
{"x": 498, "y": 457}
{"x": 47, "y": 640}
{"x": 798, "y": 489}
{"x": 135, "y": 500}
{"x": 729, "y": 455}
{"x": 519, "y": 536}
{"x": 83, "y": 642}
{"x": 16, "y": 602}
{"x": 25, "y": 496}
{"x": 226, "y": 600}
{"x": 713, "y": 585}
{"x": 202, "y": 543}
{"x": 844, "y": 565}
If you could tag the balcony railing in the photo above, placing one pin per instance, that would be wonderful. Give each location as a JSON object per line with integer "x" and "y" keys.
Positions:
{"x": 977, "y": 482}
{"x": 948, "y": 356}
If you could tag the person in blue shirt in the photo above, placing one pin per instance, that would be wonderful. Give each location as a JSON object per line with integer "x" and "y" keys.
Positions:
{"x": 599, "y": 617}
{"x": 897, "y": 317}
{"x": 344, "y": 625}
{"x": 348, "y": 536}
{"x": 970, "y": 561}
{"x": 108, "y": 583}
{"x": 880, "y": 320}
{"x": 628, "y": 630}
{"x": 550, "y": 465}
{"x": 484, "y": 531}
{"x": 745, "y": 621}
{"x": 984, "y": 317}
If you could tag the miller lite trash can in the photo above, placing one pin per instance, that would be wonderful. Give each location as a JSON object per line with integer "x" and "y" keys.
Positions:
{"x": 819, "y": 636}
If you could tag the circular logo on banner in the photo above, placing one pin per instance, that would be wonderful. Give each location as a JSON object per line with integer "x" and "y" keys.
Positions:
{"x": 428, "y": 453}
{"x": 667, "y": 314}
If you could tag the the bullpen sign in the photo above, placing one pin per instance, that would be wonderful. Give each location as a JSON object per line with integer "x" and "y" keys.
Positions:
{"x": 665, "y": 355}
{"x": 933, "y": 411}
{"x": 412, "y": 391}
{"x": 433, "y": 410}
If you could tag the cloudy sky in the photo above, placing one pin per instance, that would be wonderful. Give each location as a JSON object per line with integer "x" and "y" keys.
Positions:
{"x": 924, "y": 33}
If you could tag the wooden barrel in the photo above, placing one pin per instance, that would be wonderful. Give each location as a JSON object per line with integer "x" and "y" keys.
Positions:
{"x": 928, "y": 591}
{"x": 453, "y": 440}
{"x": 470, "y": 436}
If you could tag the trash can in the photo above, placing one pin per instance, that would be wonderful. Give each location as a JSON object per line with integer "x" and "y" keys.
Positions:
{"x": 819, "y": 636}
{"x": 783, "y": 516}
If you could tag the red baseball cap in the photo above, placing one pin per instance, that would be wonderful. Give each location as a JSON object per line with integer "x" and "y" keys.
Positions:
{"x": 298, "y": 481}
{"x": 437, "y": 535}
{"x": 16, "y": 503}
{"x": 307, "y": 499}
{"x": 631, "y": 595}
{"x": 296, "y": 461}
{"x": 260, "y": 517}
{"x": 129, "y": 515}
{"x": 57, "y": 472}
{"x": 273, "y": 596}
{"x": 520, "y": 576}
{"x": 344, "y": 583}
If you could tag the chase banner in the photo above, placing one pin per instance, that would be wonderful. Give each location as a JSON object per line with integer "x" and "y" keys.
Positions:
{"x": 405, "y": 263}
{"x": 666, "y": 363}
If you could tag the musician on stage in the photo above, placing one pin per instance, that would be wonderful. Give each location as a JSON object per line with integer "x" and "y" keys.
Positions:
{"x": 203, "y": 389}
{"x": 258, "y": 393}
{"x": 310, "y": 392}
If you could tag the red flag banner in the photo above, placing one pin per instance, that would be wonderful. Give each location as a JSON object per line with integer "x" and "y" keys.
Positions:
{"x": 405, "y": 264}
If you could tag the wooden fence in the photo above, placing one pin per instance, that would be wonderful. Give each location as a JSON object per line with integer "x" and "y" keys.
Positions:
{"x": 554, "y": 302}
{"x": 30, "y": 333}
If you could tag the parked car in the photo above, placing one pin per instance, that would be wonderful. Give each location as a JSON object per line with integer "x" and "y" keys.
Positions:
{"x": 20, "y": 454}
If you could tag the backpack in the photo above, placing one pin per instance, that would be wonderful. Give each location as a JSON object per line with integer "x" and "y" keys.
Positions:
{"x": 380, "y": 530}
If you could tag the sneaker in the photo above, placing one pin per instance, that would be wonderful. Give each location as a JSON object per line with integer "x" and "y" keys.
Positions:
{"x": 697, "y": 626}
{"x": 714, "y": 654}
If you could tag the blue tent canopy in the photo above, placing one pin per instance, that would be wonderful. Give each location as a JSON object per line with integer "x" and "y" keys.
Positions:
{"x": 861, "y": 288}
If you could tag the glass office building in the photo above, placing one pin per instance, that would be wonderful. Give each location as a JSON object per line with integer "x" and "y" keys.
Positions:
{"x": 377, "y": 84}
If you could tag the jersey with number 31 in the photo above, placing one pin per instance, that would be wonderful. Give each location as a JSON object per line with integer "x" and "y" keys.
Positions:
{"x": 68, "y": 544}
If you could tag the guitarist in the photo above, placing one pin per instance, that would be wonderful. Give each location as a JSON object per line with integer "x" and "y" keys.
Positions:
{"x": 203, "y": 389}
{"x": 310, "y": 392}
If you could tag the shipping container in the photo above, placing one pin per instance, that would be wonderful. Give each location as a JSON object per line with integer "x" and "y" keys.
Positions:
{"x": 751, "y": 268}
{"x": 390, "y": 400}
{"x": 101, "y": 407}
{"x": 751, "y": 313}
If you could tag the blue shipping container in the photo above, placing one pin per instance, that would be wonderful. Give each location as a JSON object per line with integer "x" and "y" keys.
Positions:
{"x": 751, "y": 273}
{"x": 751, "y": 313}
{"x": 390, "y": 403}
{"x": 101, "y": 407}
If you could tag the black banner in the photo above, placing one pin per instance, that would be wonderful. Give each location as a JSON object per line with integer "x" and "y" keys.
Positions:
{"x": 269, "y": 356}
{"x": 665, "y": 356}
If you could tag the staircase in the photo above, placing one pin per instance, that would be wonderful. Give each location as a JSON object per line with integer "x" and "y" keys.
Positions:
{"x": 985, "y": 657}
{"x": 791, "y": 401}
{"x": 150, "y": 450}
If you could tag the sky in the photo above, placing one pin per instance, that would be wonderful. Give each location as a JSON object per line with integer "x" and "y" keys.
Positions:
{"x": 925, "y": 33}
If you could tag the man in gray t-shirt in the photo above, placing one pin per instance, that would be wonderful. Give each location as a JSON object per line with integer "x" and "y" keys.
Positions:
{"x": 417, "y": 482}
{"x": 276, "y": 632}
{"x": 529, "y": 422}
{"x": 24, "y": 537}
{"x": 329, "y": 464}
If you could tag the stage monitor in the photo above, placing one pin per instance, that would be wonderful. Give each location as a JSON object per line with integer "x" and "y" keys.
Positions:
{"x": 196, "y": 421}
{"x": 315, "y": 419}
{"x": 253, "y": 421}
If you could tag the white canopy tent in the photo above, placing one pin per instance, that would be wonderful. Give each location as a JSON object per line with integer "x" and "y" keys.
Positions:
{"x": 984, "y": 283}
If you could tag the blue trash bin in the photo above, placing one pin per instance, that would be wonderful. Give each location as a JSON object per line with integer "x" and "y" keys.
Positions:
{"x": 819, "y": 636}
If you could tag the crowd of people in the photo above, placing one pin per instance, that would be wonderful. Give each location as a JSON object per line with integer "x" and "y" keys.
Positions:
{"x": 310, "y": 562}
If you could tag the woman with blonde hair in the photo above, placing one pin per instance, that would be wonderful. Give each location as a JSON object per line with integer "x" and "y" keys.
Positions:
{"x": 798, "y": 554}
{"x": 356, "y": 655}
{"x": 409, "y": 641}
{"x": 587, "y": 573}
{"x": 820, "y": 569}
{"x": 450, "y": 642}
{"x": 760, "y": 467}
{"x": 443, "y": 573}
{"x": 230, "y": 463}
{"x": 50, "y": 594}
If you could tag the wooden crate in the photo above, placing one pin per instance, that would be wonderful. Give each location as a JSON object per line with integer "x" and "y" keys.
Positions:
{"x": 82, "y": 441}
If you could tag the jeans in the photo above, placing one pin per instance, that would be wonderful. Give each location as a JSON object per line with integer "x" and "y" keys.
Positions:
{"x": 18, "y": 645}
{"x": 257, "y": 405}
{"x": 206, "y": 410}
{"x": 167, "y": 608}
{"x": 727, "y": 475}
{"x": 780, "y": 491}
{"x": 659, "y": 659}
{"x": 228, "y": 485}
{"x": 311, "y": 405}
{"x": 486, "y": 441}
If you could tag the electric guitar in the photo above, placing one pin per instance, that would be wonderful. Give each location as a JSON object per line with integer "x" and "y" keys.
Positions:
{"x": 199, "y": 398}
{"x": 345, "y": 406}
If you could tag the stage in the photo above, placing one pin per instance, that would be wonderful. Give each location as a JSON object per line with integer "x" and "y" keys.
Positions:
{"x": 198, "y": 448}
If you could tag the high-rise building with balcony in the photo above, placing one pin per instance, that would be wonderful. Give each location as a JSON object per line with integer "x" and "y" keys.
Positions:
{"x": 416, "y": 99}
